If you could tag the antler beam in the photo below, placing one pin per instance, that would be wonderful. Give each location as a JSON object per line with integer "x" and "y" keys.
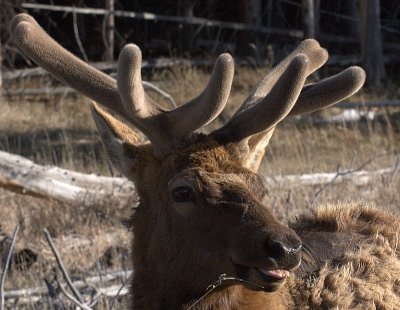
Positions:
{"x": 127, "y": 97}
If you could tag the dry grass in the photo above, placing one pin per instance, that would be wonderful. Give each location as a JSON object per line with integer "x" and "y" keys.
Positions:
{"x": 60, "y": 131}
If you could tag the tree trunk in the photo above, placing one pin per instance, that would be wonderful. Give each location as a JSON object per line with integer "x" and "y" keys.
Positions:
{"x": 308, "y": 18}
{"x": 186, "y": 9}
{"x": 352, "y": 25}
{"x": 247, "y": 12}
{"x": 1, "y": 68}
{"x": 371, "y": 42}
{"x": 110, "y": 24}
{"x": 253, "y": 13}
{"x": 317, "y": 8}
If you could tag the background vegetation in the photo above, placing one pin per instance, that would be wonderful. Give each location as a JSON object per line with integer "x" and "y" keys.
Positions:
{"x": 58, "y": 130}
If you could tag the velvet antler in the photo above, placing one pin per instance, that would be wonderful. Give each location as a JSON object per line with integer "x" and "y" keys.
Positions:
{"x": 126, "y": 97}
{"x": 282, "y": 93}
{"x": 279, "y": 94}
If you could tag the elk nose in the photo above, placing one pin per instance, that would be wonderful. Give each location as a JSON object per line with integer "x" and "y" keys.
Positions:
{"x": 285, "y": 251}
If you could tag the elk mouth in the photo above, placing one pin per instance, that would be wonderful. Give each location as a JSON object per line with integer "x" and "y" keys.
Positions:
{"x": 273, "y": 275}
{"x": 268, "y": 280}
{"x": 276, "y": 276}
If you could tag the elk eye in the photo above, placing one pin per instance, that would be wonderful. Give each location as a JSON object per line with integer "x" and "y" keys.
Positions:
{"x": 183, "y": 194}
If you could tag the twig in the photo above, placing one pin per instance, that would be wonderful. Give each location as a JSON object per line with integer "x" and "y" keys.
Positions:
{"x": 395, "y": 169}
{"x": 119, "y": 292}
{"x": 7, "y": 264}
{"x": 72, "y": 298}
{"x": 160, "y": 91}
{"x": 105, "y": 278}
{"x": 77, "y": 38}
{"x": 61, "y": 265}
{"x": 343, "y": 173}
{"x": 55, "y": 299}
{"x": 95, "y": 299}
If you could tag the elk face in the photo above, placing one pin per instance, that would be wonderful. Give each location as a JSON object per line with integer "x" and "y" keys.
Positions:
{"x": 202, "y": 211}
{"x": 219, "y": 207}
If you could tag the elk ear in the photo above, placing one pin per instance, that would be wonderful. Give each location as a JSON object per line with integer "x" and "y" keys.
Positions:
{"x": 120, "y": 141}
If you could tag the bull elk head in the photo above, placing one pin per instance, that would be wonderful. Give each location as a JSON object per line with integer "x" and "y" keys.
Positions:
{"x": 202, "y": 211}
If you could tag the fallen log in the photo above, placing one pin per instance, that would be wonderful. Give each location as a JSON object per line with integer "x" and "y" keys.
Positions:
{"x": 23, "y": 176}
{"x": 361, "y": 177}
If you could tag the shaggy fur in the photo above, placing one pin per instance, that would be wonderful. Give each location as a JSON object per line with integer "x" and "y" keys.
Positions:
{"x": 364, "y": 277}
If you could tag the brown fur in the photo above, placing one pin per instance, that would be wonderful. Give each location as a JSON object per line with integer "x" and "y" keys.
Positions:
{"x": 366, "y": 276}
{"x": 175, "y": 259}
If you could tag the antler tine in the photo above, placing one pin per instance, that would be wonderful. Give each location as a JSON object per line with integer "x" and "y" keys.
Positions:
{"x": 310, "y": 47}
{"x": 165, "y": 128}
{"x": 129, "y": 81}
{"x": 21, "y": 18}
{"x": 140, "y": 109}
{"x": 317, "y": 57}
{"x": 208, "y": 105}
{"x": 264, "y": 115}
{"x": 47, "y": 53}
{"x": 312, "y": 98}
{"x": 329, "y": 91}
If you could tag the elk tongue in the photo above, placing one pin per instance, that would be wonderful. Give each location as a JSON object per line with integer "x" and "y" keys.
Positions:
{"x": 276, "y": 274}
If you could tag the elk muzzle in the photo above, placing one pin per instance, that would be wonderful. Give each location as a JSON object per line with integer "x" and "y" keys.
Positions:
{"x": 267, "y": 254}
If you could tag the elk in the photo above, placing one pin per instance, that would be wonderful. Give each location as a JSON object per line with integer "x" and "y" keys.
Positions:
{"x": 202, "y": 218}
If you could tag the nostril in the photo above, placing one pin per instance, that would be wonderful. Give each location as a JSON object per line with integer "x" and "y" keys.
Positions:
{"x": 275, "y": 249}
{"x": 278, "y": 250}
{"x": 296, "y": 248}
{"x": 294, "y": 244}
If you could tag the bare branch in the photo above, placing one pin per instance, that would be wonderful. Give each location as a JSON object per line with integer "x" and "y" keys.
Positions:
{"x": 151, "y": 86}
{"x": 77, "y": 37}
{"x": 340, "y": 174}
{"x": 395, "y": 169}
{"x": 105, "y": 278}
{"x": 6, "y": 266}
{"x": 73, "y": 299}
{"x": 118, "y": 294}
{"x": 62, "y": 267}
